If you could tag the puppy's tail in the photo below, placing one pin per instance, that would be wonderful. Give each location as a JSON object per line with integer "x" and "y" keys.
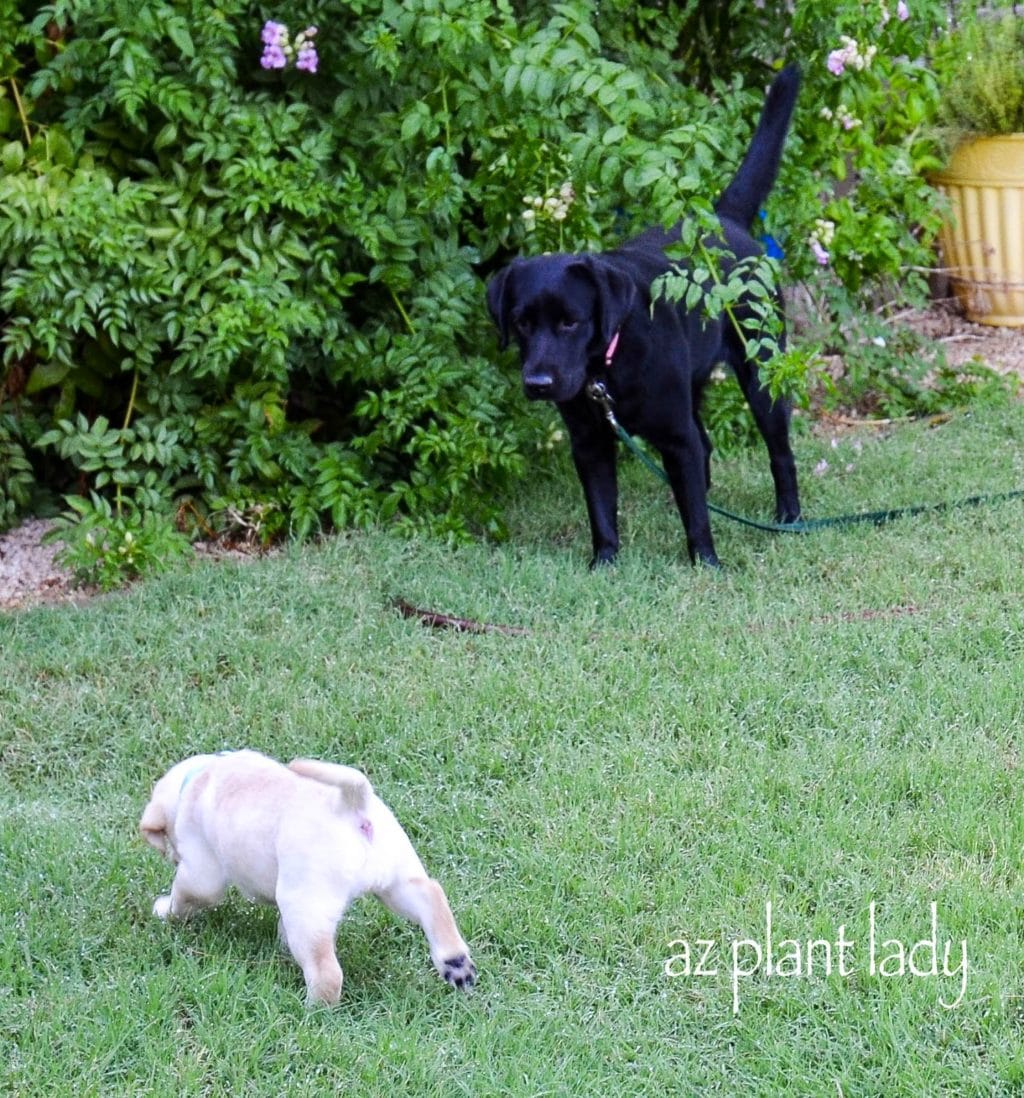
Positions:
{"x": 353, "y": 784}
{"x": 755, "y": 178}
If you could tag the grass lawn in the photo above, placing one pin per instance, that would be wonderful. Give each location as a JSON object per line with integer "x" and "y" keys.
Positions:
{"x": 831, "y": 726}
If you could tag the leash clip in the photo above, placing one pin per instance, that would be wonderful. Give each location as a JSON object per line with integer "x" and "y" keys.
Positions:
{"x": 598, "y": 393}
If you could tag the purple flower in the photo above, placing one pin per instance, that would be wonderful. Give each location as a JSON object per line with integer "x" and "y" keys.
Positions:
{"x": 902, "y": 11}
{"x": 307, "y": 59}
{"x": 274, "y": 34}
{"x": 273, "y": 58}
{"x": 279, "y": 50}
{"x": 819, "y": 253}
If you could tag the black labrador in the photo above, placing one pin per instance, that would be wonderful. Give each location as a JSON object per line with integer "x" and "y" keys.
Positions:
{"x": 578, "y": 318}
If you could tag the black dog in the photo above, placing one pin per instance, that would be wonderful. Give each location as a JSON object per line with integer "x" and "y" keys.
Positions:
{"x": 578, "y": 318}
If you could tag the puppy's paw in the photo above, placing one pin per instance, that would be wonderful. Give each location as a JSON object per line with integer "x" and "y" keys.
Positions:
{"x": 162, "y": 907}
{"x": 459, "y": 971}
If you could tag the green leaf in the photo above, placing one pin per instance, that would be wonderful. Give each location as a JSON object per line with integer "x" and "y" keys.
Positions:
{"x": 528, "y": 80}
{"x": 12, "y": 156}
{"x": 177, "y": 31}
{"x": 9, "y": 120}
{"x": 613, "y": 135}
{"x": 45, "y": 375}
{"x": 168, "y": 135}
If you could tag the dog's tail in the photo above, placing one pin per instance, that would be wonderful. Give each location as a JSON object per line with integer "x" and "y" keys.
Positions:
{"x": 353, "y": 784}
{"x": 755, "y": 178}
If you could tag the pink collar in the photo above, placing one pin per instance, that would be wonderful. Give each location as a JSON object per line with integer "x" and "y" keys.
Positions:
{"x": 613, "y": 346}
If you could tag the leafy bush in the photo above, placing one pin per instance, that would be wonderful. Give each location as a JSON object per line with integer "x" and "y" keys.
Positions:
{"x": 254, "y": 293}
{"x": 981, "y": 69}
{"x": 112, "y": 546}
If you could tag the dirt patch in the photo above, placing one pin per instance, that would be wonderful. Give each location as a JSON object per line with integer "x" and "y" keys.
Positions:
{"x": 1002, "y": 349}
{"x": 30, "y": 575}
{"x": 28, "y": 571}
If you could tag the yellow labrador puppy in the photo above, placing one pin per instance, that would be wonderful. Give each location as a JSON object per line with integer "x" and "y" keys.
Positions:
{"x": 309, "y": 837}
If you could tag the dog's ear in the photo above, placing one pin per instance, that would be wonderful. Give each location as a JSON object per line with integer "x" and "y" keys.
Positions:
{"x": 616, "y": 293}
{"x": 500, "y": 301}
{"x": 153, "y": 825}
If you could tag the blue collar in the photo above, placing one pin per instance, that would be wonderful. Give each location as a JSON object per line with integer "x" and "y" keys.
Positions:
{"x": 196, "y": 770}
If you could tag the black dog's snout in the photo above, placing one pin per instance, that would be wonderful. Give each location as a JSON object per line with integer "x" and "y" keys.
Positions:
{"x": 538, "y": 386}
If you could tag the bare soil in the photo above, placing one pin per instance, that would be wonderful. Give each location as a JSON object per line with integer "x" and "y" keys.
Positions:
{"x": 1002, "y": 349}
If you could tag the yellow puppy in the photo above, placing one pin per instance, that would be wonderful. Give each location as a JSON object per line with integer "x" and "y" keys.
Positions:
{"x": 309, "y": 837}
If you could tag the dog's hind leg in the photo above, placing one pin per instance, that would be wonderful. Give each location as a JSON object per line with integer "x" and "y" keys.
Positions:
{"x": 320, "y": 968}
{"x": 685, "y": 460}
{"x": 309, "y": 937}
{"x": 772, "y": 419}
{"x": 422, "y": 900}
{"x": 706, "y": 443}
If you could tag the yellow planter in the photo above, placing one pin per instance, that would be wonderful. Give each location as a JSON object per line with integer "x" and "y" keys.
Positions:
{"x": 984, "y": 241}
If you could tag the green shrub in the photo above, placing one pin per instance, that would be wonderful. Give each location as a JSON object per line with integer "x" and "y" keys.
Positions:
{"x": 255, "y": 295}
{"x": 981, "y": 71}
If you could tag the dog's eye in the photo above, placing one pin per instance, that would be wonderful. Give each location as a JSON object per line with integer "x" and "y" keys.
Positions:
{"x": 522, "y": 327}
{"x": 567, "y": 326}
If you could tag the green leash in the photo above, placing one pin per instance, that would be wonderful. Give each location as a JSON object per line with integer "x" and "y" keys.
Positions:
{"x": 598, "y": 392}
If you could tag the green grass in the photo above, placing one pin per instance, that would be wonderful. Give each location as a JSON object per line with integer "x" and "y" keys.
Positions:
{"x": 833, "y": 721}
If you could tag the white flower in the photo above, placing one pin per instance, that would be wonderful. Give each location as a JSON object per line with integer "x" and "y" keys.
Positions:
{"x": 824, "y": 231}
{"x": 849, "y": 53}
{"x": 846, "y": 119}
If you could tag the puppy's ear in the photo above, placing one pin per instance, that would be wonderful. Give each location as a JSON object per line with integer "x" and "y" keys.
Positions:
{"x": 500, "y": 302}
{"x": 153, "y": 826}
{"x": 616, "y": 293}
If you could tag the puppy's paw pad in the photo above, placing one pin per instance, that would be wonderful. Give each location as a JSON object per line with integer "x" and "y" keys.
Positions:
{"x": 162, "y": 907}
{"x": 459, "y": 971}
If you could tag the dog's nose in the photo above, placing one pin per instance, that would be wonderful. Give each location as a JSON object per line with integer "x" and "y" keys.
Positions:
{"x": 538, "y": 386}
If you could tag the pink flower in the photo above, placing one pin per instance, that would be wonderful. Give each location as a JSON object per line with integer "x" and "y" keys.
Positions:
{"x": 819, "y": 253}
{"x": 837, "y": 62}
{"x": 902, "y": 11}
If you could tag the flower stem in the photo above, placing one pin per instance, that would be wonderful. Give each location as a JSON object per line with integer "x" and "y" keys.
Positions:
{"x": 130, "y": 410}
{"x": 21, "y": 111}
{"x": 404, "y": 314}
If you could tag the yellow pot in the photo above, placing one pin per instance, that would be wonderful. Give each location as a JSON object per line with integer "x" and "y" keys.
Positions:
{"x": 984, "y": 241}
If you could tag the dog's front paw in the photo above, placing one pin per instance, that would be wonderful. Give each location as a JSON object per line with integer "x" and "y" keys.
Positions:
{"x": 162, "y": 907}
{"x": 459, "y": 971}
